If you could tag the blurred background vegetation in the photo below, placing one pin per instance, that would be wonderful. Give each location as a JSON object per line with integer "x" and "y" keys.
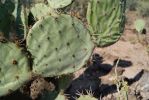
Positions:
{"x": 141, "y": 6}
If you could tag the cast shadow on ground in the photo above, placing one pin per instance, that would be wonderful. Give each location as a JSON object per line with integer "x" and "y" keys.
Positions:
{"x": 90, "y": 79}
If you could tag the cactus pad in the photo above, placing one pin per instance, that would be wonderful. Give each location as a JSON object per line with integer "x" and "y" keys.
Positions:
{"x": 86, "y": 97}
{"x": 139, "y": 25}
{"x": 14, "y": 69}
{"x": 39, "y": 10}
{"x": 61, "y": 96}
{"x": 59, "y": 3}
{"x": 106, "y": 20}
{"x": 59, "y": 45}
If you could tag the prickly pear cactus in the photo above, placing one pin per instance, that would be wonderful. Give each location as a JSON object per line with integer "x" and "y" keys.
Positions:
{"x": 61, "y": 96}
{"x": 14, "y": 70}
{"x": 86, "y": 97}
{"x": 39, "y": 10}
{"x": 59, "y": 3}
{"x": 45, "y": 8}
{"x": 139, "y": 25}
{"x": 106, "y": 20}
{"x": 59, "y": 45}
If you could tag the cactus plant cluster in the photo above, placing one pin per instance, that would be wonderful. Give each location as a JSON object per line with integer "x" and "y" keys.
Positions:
{"x": 56, "y": 43}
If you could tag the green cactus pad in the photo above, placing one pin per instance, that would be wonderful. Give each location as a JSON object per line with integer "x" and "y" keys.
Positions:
{"x": 139, "y": 25}
{"x": 39, "y": 10}
{"x": 14, "y": 71}
{"x": 59, "y": 45}
{"x": 61, "y": 96}
{"x": 106, "y": 20}
{"x": 86, "y": 97}
{"x": 59, "y": 3}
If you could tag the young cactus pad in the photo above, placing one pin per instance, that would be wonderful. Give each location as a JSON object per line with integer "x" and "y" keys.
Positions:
{"x": 59, "y": 45}
{"x": 39, "y": 10}
{"x": 14, "y": 70}
{"x": 55, "y": 4}
{"x": 106, "y": 20}
{"x": 139, "y": 25}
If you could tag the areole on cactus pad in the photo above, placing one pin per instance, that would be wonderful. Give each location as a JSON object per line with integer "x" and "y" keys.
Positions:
{"x": 14, "y": 70}
{"x": 59, "y": 45}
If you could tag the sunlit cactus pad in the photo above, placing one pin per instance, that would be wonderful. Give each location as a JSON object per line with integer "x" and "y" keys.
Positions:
{"x": 59, "y": 45}
{"x": 59, "y": 3}
{"x": 106, "y": 19}
{"x": 39, "y": 10}
{"x": 86, "y": 97}
{"x": 139, "y": 25}
{"x": 14, "y": 70}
